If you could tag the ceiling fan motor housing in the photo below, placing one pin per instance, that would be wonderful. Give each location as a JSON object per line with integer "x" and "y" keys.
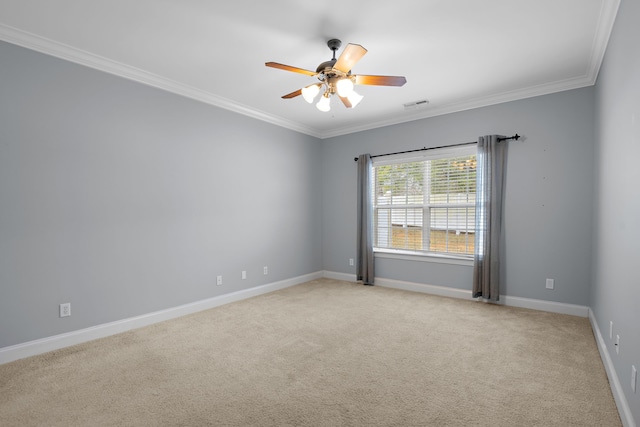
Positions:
{"x": 327, "y": 64}
{"x": 326, "y": 72}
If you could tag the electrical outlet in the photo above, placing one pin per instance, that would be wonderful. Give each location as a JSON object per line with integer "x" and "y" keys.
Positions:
{"x": 265, "y": 270}
{"x": 617, "y": 344}
{"x": 65, "y": 309}
{"x": 611, "y": 329}
{"x": 219, "y": 280}
{"x": 634, "y": 377}
{"x": 244, "y": 275}
{"x": 550, "y": 283}
{"x": 351, "y": 261}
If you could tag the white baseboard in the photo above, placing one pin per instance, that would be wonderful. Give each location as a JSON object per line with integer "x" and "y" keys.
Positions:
{"x": 616, "y": 388}
{"x": 339, "y": 276}
{"x": 550, "y": 306}
{"x": 442, "y": 291}
{"x": 32, "y": 348}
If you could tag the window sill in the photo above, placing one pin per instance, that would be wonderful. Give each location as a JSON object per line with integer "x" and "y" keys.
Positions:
{"x": 412, "y": 256}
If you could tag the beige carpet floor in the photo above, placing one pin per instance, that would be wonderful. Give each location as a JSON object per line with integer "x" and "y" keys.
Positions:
{"x": 324, "y": 353}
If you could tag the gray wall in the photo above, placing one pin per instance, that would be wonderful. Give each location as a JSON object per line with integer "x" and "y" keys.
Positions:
{"x": 615, "y": 294}
{"x": 549, "y": 193}
{"x": 123, "y": 199}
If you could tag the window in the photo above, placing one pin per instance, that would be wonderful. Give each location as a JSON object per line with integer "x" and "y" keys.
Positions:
{"x": 426, "y": 204}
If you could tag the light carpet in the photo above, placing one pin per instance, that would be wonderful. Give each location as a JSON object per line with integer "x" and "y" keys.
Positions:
{"x": 324, "y": 353}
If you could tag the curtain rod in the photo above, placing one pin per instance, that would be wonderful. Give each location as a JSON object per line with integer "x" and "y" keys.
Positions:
{"x": 514, "y": 137}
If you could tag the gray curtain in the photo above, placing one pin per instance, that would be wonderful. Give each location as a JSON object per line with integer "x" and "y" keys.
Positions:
{"x": 364, "y": 264}
{"x": 489, "y": 194}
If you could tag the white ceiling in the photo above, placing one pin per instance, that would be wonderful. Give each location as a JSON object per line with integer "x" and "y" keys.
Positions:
{"x": 457, "y": 54}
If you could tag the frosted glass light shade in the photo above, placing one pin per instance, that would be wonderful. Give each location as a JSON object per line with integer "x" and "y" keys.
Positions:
{"x": 324, "y": 104}
{"x": 344, "y": 87}
{"x": 354, "y": 98}
{"x": 310, "y": 92}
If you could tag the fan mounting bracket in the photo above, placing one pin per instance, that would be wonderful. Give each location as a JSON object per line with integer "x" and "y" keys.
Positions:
{"x": 334, "y": 44}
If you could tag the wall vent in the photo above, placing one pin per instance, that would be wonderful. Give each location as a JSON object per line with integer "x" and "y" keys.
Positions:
{"x": 416, "y": 105}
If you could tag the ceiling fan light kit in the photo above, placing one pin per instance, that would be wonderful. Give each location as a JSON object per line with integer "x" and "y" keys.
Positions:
{"x": 336, "y": 78}
{"x": 354, "y": 98}
{"x": 324, "y": 104}
{"x": 310, "y": 92}
{"x": 344, "y": 86}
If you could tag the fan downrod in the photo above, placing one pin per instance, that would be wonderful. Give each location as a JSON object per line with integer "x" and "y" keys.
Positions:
{"x": 334, "y": 44}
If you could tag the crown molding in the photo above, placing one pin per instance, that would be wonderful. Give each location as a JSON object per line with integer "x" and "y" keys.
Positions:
{"x": 606, "y": 20}
{"x": 88, "y": 59}
{"x": 469, "y": 104}
{"x": 47, "y": 46}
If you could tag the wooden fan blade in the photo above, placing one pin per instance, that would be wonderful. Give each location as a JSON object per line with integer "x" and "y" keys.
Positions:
{"x": 349, "y": 57}
{"x": 381, "y": 80}
{"x": 345, "y": 101}
{"x": 290, "y": 68}
{"x": 292, "y": 94}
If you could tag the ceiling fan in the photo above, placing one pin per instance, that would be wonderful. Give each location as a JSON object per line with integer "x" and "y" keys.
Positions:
{"x": 336, "y": 78}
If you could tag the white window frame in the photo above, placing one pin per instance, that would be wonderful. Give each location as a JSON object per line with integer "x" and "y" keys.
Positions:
{"x": 434, "y": 154}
